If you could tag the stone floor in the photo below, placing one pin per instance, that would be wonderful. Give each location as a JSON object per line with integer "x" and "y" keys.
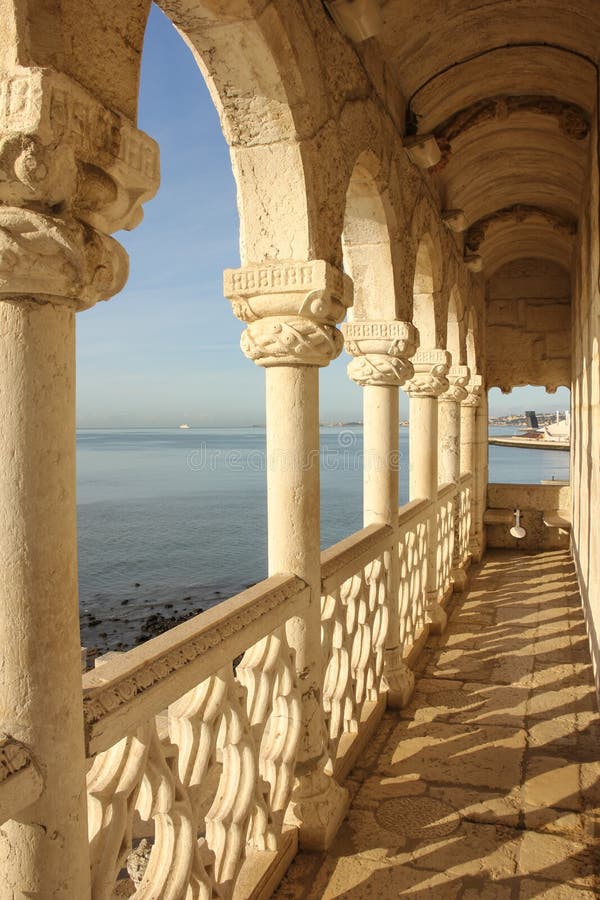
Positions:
{"x": 488, "y": 785}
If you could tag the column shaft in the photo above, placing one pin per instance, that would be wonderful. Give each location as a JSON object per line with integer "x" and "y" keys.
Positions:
{"x": 449, "y": 421}
{"x": 45, "y": 852}
{"x": 293, "y": 501}
{"x": 423, "y": 431}
{"x": 381, "y": 454}
{"x": 467, "y": 439}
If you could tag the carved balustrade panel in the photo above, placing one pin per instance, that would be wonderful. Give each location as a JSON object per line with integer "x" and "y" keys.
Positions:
{"x": 463, "y": 519}
{"x": 179, "y": 803}
{"x": 354, "y": 621}
{"x": 412, "y": 552}
{"x": 445, "y": 537}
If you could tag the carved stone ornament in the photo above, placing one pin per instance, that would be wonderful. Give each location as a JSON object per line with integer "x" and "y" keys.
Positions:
{"x": 474, "y": 391}
{"x": 51, "y": 259}
{"x": 294, "y": 340}
{"x": 313, "y": 289}
{"x": 430, "y": 369}
{"x": 379, "y": 369}
{"x": 14, "y": 757}
{"x": 458, "y": 376}
{"x": 382, "y": 351}
{"x": 60, "y": 147}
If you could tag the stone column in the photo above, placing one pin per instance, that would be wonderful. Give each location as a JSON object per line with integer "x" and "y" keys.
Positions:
{"x": 468, "y": 429}
{"x": 382, "y": 351}
{"x": 449, "y": 419}
{"x": 292, "y": 310}
{"x": 480, "y": 477}
{"x": 426, "y": 385}
{"x": 449, "y": 410}
{"x": 64, "y": 186}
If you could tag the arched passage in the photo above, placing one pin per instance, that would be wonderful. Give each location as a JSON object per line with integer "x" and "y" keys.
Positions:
{"x": 454, "y": 343}
{"x": 366, "y": 245}
{"x": 424, "y": 287}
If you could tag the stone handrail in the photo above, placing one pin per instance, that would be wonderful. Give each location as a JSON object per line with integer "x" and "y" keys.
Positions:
{"x": 20, "y": 781}
{"x": 355, "y": 599}
{"x": 186, "y": 800}
{"x": 348, "y": 556}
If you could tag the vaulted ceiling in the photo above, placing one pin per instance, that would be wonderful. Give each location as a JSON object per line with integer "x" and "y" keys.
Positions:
{"x": 508, "y": 87}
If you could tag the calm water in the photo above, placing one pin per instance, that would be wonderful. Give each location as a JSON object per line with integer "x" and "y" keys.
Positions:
{"x": 175, "y": 516}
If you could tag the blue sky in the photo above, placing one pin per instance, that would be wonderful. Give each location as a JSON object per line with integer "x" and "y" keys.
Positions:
{"x": 166, "y": 349}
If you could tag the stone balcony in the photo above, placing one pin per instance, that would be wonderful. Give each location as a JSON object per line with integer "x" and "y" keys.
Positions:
{"x": 488, "y": 784}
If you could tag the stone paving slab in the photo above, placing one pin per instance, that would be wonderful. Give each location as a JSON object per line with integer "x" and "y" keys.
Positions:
{"x": 488, "y": 784}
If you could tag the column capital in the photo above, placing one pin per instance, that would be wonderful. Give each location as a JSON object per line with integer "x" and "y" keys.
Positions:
{"x": 61, "y": 148}
{"x": 458, "y": 376}
{"x": 291, "y": 308}
{"x": 382, "y": 351}
{"x": 430, "y": 369}
{"x": 474, "y": 388}
{"x": 73, "y": 172}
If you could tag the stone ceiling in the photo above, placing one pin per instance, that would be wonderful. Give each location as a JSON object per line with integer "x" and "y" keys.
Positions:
{"x": 508, "y": 90}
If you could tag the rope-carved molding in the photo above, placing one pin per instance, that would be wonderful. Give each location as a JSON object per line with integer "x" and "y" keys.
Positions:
{"x": 476, "y": 234}
{"x": 572, "y": 120}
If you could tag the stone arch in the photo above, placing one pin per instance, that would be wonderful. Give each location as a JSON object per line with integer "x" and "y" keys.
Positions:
{"x": 471, "y": 342}
{"x": 255, "y": 75}
{"x": 425, "y": 289}
{"x": 366, "y": 245}
{"x": 454, "y": 341}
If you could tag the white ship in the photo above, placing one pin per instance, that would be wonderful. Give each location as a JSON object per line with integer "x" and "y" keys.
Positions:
{"x": 184, "y": 425}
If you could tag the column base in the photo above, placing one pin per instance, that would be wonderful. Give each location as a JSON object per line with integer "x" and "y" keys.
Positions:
{"x": 399, "y": 678}
{"x": 459, "y": 579}
{"x": 435, "y": 616}
{"x": 317, "y": 809}
{"x": 475, "y": 549}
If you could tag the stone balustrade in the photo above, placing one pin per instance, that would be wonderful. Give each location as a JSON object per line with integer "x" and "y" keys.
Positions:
{"x": 193, "y": 750}
{"x": 445, "y": 540}
{"x": 412, "y": 551}
{"x": 193, "y": 738}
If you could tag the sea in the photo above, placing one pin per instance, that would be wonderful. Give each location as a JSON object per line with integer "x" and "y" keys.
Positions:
{"x": 172, "y": 521}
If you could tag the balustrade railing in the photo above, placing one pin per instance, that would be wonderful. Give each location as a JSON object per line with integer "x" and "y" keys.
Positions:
{"x": 192, "y": 737}
{"x": 412, "y": 552}
{"x": 445, "y": 536}
{"x": 463, "y": 520}
{"x": 355, "y": 593}
{"x": 193, "y": 749}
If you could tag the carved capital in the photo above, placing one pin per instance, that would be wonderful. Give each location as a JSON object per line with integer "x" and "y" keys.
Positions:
{"x": 379, "y": 369}
{"x": 382, "y": 351}
{"x": 57, "y": 260}
{"x": 291, "y": 341}
{"x": 62, "y": 149}
{"x": 474, "y": 390}
{"x": 458, "y": 376}
{"x": 313, "y": 290}
{"x": 430, "y": 369}
{"x": 292, "y": 309}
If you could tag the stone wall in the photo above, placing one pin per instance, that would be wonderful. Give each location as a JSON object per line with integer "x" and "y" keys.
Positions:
{"x": 585, "y": 403}
{"x": 529, "y": 325}
{"x": 535, "y": 502}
